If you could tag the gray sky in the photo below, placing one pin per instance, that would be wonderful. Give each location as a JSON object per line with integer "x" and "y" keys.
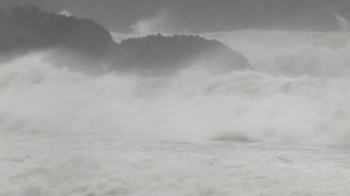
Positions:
{"x": 125, "y": 16}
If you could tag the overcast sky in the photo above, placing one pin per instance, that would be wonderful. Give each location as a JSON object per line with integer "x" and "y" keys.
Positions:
{"x": 125, "y": 16}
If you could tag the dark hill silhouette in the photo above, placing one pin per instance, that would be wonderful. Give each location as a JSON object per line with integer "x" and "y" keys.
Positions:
{"x": 27, "y": 28}
{"x": 156, "y": 51}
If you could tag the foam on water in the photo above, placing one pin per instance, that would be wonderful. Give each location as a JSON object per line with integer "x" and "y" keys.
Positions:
{"x": 36, "y": 97}
{"x": 66, "y": 133}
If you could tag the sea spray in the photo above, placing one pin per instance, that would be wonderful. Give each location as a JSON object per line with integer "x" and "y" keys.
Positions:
{"x": 291, "y": 53}
{"x": 37, "y": 97}
{"x": 343, "y": 23}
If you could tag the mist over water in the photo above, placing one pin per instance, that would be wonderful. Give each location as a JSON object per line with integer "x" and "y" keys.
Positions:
{"x": 298, "y": 95}
{"x": 343, "y": 23}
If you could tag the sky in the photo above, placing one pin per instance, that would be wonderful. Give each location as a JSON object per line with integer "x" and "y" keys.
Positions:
{"x": 198, "y": 16}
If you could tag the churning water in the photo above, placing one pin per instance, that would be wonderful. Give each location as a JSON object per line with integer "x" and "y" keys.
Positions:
{"x": 66, "y": 133}
{"x": 298, "y": 94}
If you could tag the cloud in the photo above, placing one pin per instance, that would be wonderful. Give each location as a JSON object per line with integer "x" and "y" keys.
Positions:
{"x": 66, "y": 13}
{"x": 156, "y": 24}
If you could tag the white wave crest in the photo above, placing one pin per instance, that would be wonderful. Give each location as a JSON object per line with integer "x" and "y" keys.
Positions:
{"x": 36, "y": 97}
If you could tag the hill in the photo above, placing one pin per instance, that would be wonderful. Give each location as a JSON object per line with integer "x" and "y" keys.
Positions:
{"x": 26, "y": 28}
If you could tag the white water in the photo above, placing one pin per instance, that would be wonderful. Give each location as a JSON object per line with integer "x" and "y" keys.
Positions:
{"x": 66, "y": 133}
{"x": 293, "y": 53}
{"x": 298, "y": 95}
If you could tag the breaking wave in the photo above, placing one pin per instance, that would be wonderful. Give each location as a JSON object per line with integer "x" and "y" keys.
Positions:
{"x": 299, "y": 95}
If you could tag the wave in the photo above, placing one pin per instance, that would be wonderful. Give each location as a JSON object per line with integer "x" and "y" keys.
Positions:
{"x": 291, "y": 53}
{"x": 37, "y": 97}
